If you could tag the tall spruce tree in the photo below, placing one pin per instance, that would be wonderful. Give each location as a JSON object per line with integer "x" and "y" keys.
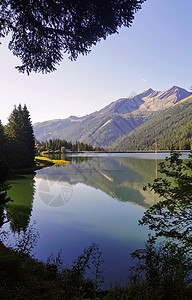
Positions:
{"x": 21, "y": 141}
{"x": 4, "y": 172}
{"x": 4, "y": 168}
{"x": 29, "y": 135}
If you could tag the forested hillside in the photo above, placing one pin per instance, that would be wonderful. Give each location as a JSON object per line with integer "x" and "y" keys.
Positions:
{"x": 171, "y": 128}
{"x": 120, "y": 117}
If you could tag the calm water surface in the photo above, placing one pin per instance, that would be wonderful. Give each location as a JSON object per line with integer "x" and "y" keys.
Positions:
{"x": 97, "y": 198}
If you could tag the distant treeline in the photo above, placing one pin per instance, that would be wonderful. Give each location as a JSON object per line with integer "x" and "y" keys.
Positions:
{"x": 17, "y": 142}
{"x": 64, "y": 146}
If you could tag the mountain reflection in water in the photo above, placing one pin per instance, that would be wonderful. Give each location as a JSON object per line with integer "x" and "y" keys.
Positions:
{"x": 121, "y": 178}
{"x": 94, "y": 199}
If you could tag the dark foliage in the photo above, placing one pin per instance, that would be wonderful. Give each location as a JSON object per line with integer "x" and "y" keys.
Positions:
{"x": 25, "y": 278}
{"x": 4, "y": 167}
{"x": 42, "y": 31}
{"x": 162, "y": 273}
{"x": 20, "y": 139}
{"x": 172, "y": 216}
{"x": 4, "y": 199}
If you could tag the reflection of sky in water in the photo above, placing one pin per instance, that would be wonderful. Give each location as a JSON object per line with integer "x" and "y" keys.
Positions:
{"x": 90, "y": 216}
{"x": 92, "y": 210}
{"x": 97, "y": 200}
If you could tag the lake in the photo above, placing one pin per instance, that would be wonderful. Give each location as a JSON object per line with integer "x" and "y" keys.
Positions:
{"x": 97, "y": 198}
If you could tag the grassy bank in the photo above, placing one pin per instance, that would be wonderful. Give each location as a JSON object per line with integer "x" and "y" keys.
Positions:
{"x": 45, "y": 161}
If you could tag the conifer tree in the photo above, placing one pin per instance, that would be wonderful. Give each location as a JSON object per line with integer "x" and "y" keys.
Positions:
{"x": 42, "y": 31}
{"x": 4, "y": 169}
{"x": 29, "y": 135}
{"x": 21, "y": 141}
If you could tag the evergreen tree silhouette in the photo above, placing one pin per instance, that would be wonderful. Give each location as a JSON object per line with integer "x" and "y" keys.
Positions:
{"x": 20, "y": 137}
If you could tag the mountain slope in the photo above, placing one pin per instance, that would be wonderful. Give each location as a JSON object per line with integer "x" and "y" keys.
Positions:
{"x": 172, "y": 128}
{"x": 113, "y": 121}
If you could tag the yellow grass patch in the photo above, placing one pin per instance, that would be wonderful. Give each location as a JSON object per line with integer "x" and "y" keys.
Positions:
{"x": 48, "y": 161}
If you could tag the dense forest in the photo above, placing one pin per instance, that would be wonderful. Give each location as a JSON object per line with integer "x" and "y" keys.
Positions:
{"x": 172, "y": 129}
{"x": 17, "y": 142}
{"x": 63, "y": 146}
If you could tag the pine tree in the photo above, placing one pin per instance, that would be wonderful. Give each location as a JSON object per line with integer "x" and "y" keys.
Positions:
{"x": 4, "y": 168}
{"x": 29, "y": 138}
{"x": 42, "y": 31}
{"x": 4, "y": 172}
{"x": 21, "y": 141}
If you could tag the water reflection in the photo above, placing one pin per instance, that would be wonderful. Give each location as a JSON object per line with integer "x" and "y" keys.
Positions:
{"x": 22, "y": 193}
{"x": 90, "y": 200}
{"x": 54, "y": 193}
{"x": 122, "y": 178}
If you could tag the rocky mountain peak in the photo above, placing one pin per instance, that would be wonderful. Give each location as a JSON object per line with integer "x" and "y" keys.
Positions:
{"x": 114, "y": 120}
{"x": 146, "y": 93}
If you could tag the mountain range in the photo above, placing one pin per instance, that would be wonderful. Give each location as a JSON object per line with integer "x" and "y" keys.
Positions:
{"x": 112, "y": 122}
{"x": 170, "y": 129}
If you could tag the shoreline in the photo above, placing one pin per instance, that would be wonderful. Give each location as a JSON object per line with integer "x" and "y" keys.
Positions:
{"x": 131, "y": 151}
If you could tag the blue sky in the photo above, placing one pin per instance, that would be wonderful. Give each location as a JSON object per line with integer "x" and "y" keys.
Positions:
{"x": 155, "y": 52}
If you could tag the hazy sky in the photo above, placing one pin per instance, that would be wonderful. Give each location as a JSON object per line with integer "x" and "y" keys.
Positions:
{"x": 155, "y": 52}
